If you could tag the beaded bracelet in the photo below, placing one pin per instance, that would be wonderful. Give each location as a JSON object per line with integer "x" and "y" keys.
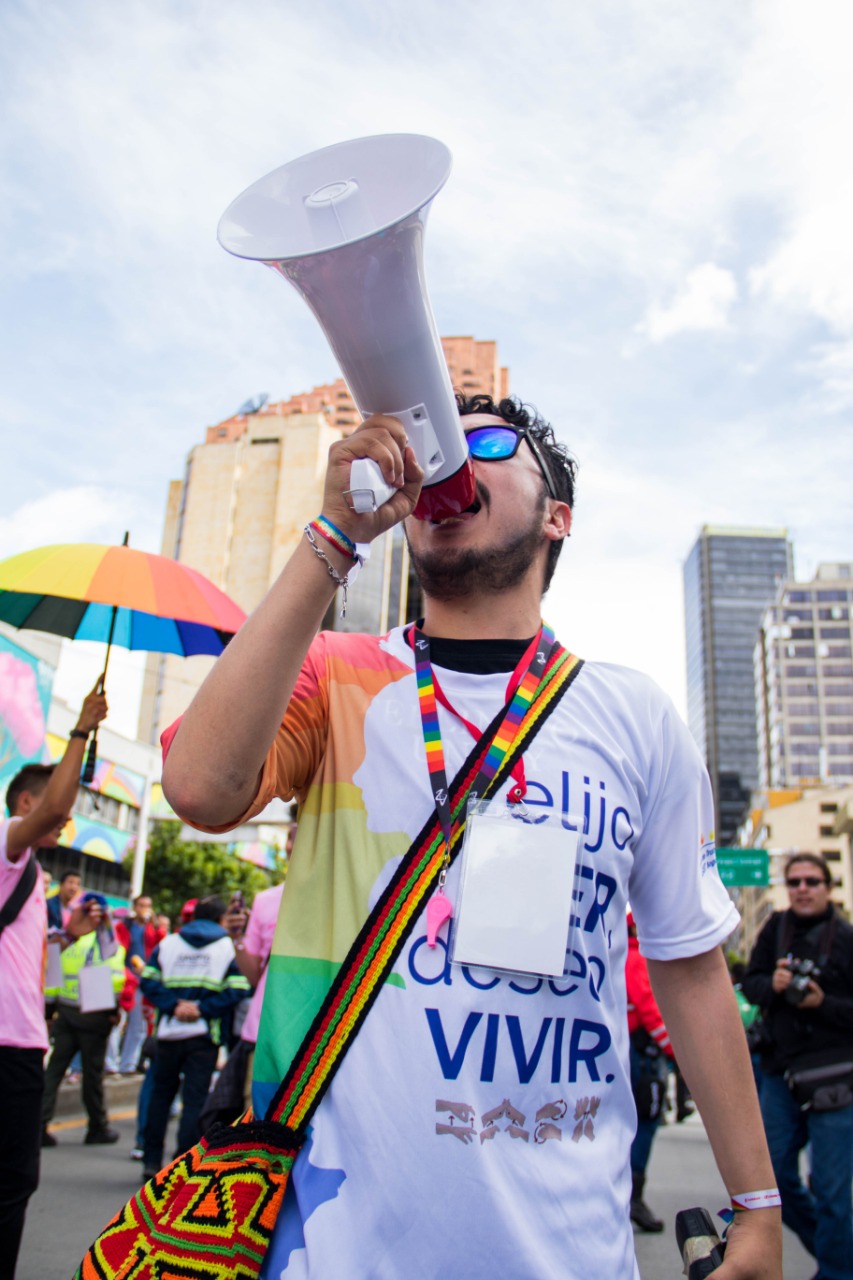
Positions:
{"x": 335, "y": 536}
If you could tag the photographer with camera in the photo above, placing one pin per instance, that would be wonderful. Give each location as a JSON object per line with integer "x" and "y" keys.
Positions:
{"x": 801, "y": 975}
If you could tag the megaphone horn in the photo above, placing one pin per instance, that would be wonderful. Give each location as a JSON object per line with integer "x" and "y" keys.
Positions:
{"x": 345, "y": 226}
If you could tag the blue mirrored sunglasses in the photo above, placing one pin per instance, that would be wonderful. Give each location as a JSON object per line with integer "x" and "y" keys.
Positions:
{"x": 494, "y": 444}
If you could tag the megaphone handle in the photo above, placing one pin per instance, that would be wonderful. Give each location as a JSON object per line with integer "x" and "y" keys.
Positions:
{"x": 368, "y": 489}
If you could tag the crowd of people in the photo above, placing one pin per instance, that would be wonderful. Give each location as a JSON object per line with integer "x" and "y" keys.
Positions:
{"x": 464, "y": 1077}
{"x": 503, "y": 1098}
{"x": 88, "y": 991}
{"x": 795, "y": 998}
{"x": 800, "y": 978}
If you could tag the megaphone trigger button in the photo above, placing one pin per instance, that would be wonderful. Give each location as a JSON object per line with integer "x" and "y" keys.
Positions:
{"x": 362, "y": 501}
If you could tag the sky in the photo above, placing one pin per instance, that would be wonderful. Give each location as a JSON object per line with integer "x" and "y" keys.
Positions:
{"x": 649, "y": 211}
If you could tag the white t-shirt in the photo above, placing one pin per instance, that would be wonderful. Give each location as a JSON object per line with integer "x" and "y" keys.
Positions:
{"x": 22, "y": 956}
{"x": 481, "y": 1123}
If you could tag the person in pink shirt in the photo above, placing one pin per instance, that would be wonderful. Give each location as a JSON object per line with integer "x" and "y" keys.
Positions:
{"x": 253, "y": 949}
{"x": 253, "y": 937}
{"x": 253, "y": 952}
{"x": 39, "y": 801}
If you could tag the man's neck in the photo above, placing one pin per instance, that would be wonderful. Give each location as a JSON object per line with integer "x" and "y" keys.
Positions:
{"x": 511, "y": 615}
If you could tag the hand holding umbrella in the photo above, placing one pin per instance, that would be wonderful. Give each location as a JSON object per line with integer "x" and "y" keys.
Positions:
{"x": 93, "y": 711}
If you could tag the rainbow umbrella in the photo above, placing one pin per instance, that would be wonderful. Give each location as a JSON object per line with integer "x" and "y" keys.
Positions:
{"x": 86, "y": 591}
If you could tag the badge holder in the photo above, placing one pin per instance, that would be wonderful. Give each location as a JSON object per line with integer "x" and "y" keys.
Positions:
{"x": 53, "y": 977}
{"x": 96, "y": 988}
{"x": 516, "y": 890}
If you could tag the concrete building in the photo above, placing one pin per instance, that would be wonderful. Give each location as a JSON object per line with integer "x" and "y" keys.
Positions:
{"x": 246, "y": 495}
{"x": 804, "y": 682}
{"x": 730, "y": 577}
{"x": 796, "y": 820}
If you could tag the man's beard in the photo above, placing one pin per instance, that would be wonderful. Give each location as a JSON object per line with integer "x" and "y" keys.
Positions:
{"x": 449, "y": 573}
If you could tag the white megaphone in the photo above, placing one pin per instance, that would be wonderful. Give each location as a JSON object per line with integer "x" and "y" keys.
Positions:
{"x": 345, "y": 226}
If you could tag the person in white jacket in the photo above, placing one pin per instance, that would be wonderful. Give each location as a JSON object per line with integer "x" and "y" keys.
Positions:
{"x": 193, "y": 981}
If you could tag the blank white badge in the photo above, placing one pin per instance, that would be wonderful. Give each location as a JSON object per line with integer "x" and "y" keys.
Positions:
{"x": 515, "y": 901}
{"x": 53, "y": 971}
{"x": 96, "y": 988}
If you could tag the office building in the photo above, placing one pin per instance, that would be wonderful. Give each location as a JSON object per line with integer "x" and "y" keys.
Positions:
{"x": 804, "y": 682}
{"x": 730, "y": 577}
{"x": 248, "y": 491}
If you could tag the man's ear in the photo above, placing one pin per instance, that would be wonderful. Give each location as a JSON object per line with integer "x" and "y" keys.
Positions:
{"x": 27, "y": 803}
{"x": 558, "y": 520}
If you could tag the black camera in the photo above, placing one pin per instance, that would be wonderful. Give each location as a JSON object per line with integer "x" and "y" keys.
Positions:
{"x": 804, "y": 971}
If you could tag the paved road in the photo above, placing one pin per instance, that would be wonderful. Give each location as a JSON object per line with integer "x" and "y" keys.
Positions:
{"x": 682, "y": 1175}
{"x": 82, "y": 1187}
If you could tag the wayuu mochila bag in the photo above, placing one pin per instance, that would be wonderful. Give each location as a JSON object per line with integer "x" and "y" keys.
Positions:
{"x": 210, "y": 1214}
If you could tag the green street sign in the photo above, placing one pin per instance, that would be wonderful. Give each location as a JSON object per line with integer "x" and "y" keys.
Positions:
{"x": 743, "y": 867}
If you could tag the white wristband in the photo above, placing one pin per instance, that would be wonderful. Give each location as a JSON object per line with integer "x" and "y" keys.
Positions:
{"x": 769, "y": 1199}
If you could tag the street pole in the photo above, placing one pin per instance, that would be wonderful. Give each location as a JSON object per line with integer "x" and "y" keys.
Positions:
{"x": 139, "y": 853}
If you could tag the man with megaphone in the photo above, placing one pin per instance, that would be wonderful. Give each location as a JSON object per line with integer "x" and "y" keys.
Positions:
{"x": 480, "y": 1121}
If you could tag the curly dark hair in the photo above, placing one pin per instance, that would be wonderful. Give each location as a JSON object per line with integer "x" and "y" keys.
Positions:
{"x": 561, "y": 464}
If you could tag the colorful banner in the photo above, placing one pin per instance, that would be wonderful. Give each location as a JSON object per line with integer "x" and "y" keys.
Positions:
{"x": 98, "y": 839}
{"x": 259, "y": 854}
{"x": 25, "y": 688}
{"x": 114, "y": 780}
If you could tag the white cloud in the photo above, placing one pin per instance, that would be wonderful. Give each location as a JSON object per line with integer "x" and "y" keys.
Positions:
{"x": 703, "y": 303}
{"x": 802, "y": 276}
{"x": 831, "y": 363}
{"x": 81, "y": 513}
{"x": 610, "y": 162}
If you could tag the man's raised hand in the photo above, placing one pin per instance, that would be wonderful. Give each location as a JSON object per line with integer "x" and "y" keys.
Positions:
{"x": 94, "y": 708}
{"x": 382, "y": 439}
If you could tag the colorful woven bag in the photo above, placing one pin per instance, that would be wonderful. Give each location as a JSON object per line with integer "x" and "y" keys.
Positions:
{"x": 210, "y": 1214}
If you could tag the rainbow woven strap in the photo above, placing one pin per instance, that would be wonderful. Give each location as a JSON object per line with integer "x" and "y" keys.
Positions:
{"x": 375, "y": 950}
{"x": 518, "y": 708}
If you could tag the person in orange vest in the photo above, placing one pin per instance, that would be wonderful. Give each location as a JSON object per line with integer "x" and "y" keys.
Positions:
{"x": 650, "y": 1051}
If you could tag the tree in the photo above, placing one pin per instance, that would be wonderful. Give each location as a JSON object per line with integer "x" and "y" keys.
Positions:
{"x": 176, "y": 870}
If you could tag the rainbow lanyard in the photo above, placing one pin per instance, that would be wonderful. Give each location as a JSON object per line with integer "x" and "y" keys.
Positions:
{"x": 500, "y": 745}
